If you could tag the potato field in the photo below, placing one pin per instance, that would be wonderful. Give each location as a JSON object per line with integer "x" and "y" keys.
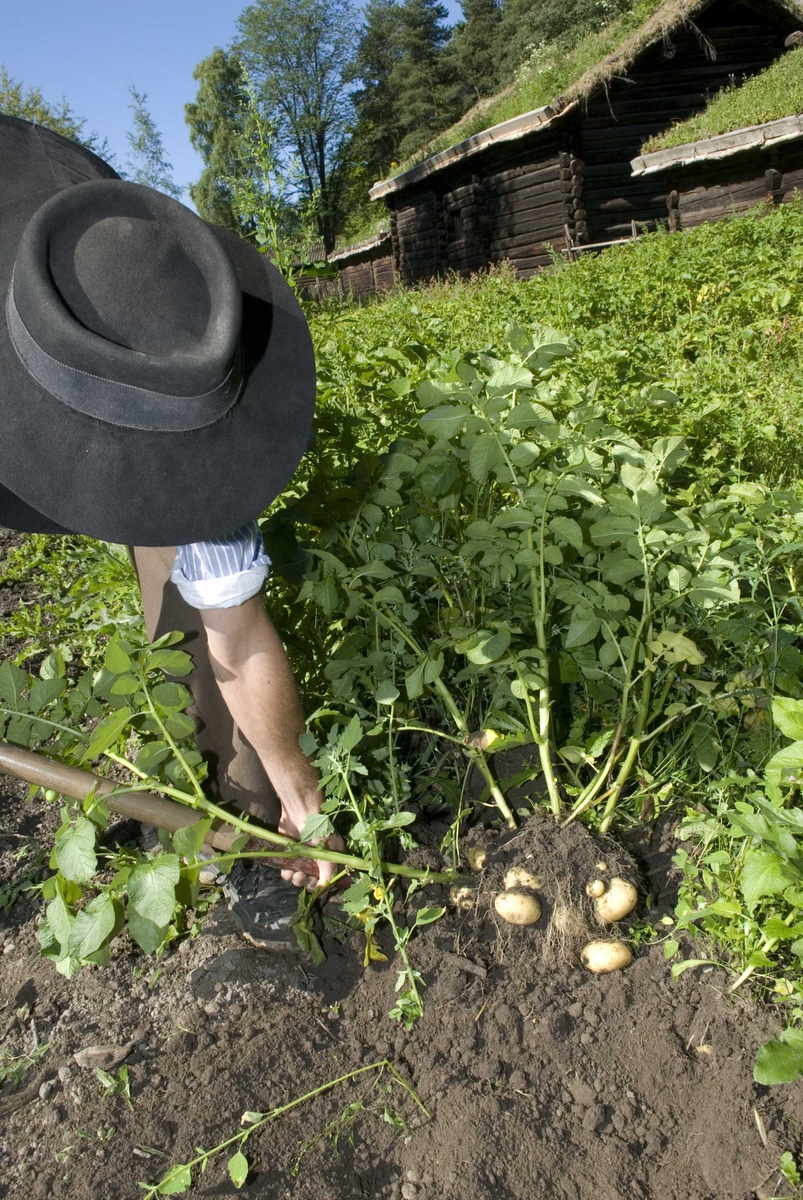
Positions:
{"x": 538, "y": 576}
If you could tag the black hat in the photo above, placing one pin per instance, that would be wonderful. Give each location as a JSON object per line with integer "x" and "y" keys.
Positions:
{"x": 157, "y": 378}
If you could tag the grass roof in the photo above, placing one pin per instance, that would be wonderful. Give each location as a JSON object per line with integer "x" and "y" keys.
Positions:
{"x": 569, "y": 74}
{"x": 775, "y": 93}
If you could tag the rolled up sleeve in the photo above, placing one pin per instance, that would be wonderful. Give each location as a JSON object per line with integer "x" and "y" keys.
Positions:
{"x": 224, "y": 572}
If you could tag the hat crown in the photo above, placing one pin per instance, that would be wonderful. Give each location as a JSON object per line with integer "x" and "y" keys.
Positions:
{"x": 123, "y": 283}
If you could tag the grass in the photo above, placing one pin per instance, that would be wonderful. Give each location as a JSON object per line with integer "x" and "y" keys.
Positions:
{"x": 550, "y": 71}
{"x": 775, "y": 93}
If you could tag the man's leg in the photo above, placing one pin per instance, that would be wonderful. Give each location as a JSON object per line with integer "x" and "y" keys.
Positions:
{"x": 236, "y": 773}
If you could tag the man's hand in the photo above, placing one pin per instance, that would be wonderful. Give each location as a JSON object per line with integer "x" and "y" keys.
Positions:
{"x": 298, "y": 871}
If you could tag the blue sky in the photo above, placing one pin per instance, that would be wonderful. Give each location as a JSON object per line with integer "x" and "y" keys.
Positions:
{"x": 91, "y": 50}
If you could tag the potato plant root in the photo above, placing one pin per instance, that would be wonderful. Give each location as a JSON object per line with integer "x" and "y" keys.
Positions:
{"x": 597, "y": 1087}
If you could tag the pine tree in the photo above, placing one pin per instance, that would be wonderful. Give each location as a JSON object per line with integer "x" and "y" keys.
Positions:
{"x": 473, "y": 47}
{"x": 149, "y": 165}
{"x": 426, "y": 98}
{"x": 378, "y": 52}
{"x": 217, "y": 124}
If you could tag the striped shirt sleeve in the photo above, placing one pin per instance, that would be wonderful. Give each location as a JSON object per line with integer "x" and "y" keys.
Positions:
{"x": 223, "y": 572}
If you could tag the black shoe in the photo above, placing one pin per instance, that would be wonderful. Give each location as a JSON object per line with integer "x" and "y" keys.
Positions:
{"x": 264, "y": 904}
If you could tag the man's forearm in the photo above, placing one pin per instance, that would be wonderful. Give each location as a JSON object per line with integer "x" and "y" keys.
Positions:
{"x": 257, "y": 684}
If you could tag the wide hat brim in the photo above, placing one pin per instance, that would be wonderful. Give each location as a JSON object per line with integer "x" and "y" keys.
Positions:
{"x": 160, "y": 488}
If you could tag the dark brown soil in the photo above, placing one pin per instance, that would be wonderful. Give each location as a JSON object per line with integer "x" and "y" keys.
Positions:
{"x": 541, "y": 1081}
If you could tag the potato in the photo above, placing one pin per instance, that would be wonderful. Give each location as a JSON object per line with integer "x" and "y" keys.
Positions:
{"x": 520, "y": 877}
{"x": 601, "y": 866}
{"x": 602, "y": 957}
{"x": 477, "y": 856}
{"x": 595, "y": 888}
{"x": 462, "y": 897}
{"x": 518, "y": 908}
{"x": 619, "y": 900}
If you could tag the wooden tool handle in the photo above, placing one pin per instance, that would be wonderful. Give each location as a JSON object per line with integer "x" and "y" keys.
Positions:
{"x": 140, "y": 806}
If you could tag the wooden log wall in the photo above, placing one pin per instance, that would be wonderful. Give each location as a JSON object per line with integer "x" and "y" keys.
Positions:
{"x": 512, "y": 202}
{"x": 716, "y": 190}
{"x": 418, "y": 236}
{"x": 669, "y": 83}
{"x": 368, "y": 271}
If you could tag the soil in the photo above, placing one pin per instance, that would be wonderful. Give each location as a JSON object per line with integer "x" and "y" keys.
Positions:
{"x": 540, "y": 1080}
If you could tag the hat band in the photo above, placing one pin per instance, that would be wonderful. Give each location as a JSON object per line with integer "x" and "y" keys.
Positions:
{"x": 116, "y": 403}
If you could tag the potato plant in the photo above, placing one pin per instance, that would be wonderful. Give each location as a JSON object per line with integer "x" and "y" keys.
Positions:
{"x": 96, "y": 890}
{"x": 519, "y": 570}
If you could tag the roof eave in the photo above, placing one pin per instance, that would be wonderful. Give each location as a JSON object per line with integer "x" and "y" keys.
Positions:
{"x": 358, "y": 248}
{"x": 505, "y": 131}
{"x": 723, "y": 145}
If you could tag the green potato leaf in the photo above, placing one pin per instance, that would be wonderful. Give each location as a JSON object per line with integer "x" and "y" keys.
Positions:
{"x": 238, "y": 1169}
{"x": 765, "y": 873}
{"x": 13, "y": 681}
{"x": 75, "y": 851}
{"x": 92, "y": 926}
{"x": 147, "y": 934}
{"x": 780, "y": 1060}
{"x": 444, "y": 422}
{"x": 152, "y": 888}
{"x": 188, "y": 840}
{"x": 178, "y": 1179}
{"x": 788, "y": 716}
{"x": 583, "y": 627}
{"x": 172, "y": 662}
{"x": 107, "y": 732}
{"x": 116, "y": 659}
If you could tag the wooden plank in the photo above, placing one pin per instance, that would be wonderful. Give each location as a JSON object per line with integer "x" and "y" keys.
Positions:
{"x": 426, "y": 253}
{"x": 464, "y": 210}
{"x": 414, "y": 220}
{"x": 528, "y": 264}
{"x": 496, "y": 178}
{"x": 461, "y": 192}
{"x": 411, "y": 245}
{"x": 408, "y": 237}
{"x": 422, "y": 212}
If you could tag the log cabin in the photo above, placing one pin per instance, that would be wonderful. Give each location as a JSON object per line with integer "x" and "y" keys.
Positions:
{"x": 560, "y": 178}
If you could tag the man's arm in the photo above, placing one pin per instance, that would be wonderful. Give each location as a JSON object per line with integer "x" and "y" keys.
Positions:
{"x": 257, "y": 684}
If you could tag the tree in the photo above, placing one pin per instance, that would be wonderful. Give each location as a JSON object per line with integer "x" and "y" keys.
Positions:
{"x": 473, "y": 46}
{"x": 32, "y": 106}
{"x": 378, "y": 51}
{"x": 299, "y": 54}
{"x": 218, "y": 124}
{"x": 426, "y": 98}
{"x": 149, "y": 166}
